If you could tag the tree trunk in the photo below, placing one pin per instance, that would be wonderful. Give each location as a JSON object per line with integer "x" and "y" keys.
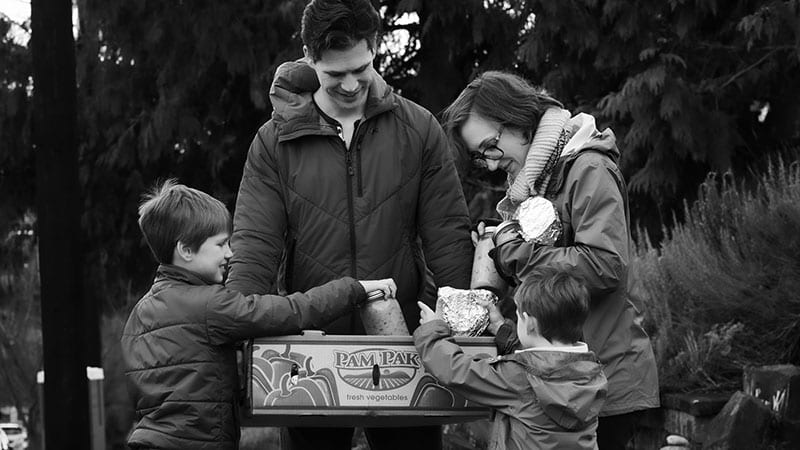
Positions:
{"x": 64, "y": 313}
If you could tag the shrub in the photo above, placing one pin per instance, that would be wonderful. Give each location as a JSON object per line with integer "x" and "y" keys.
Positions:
{"x": 723, "y": 290}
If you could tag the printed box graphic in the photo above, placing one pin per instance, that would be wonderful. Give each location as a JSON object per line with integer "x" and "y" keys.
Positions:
{"x": 319, "y": 380}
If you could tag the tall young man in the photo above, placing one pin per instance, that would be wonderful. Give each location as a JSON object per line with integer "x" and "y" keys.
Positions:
{"x": 349, "y": 178}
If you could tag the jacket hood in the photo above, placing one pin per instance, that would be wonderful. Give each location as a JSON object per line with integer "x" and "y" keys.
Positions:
{"x": 585, "y": 136}
{"x": 570, "y": 387}
{"x": 291, "y": 95}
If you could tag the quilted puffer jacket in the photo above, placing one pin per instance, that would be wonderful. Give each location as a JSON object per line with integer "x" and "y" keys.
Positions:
{"x": 388, "y": 205}
{"x": 180, "y": 360}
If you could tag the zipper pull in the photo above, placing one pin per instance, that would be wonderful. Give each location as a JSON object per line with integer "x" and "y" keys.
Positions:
{"x": 348, "y": 160}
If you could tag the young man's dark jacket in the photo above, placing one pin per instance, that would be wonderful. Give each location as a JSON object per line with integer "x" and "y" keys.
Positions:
{"x": 181, "y": 362}
{"x": 385, "y": 206}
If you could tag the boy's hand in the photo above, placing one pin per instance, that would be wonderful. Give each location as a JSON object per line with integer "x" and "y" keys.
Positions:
{"x": 495, "y": 316}
{"x": 426, "y": 314}
{"x": 387, "y": 286}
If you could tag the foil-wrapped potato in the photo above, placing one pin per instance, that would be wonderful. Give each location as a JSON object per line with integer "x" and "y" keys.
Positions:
{"x": 539, "y": 221}
{"x": 460, "y": 309}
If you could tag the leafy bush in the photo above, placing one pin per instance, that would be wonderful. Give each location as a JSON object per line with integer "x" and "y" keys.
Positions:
{"x": 723, "y": 290}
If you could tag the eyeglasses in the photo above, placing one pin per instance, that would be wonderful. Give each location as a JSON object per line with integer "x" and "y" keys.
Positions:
{"x": 490, "y": 152}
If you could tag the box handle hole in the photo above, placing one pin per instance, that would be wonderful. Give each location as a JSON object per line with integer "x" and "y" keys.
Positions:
{"x": 376, "y": 375}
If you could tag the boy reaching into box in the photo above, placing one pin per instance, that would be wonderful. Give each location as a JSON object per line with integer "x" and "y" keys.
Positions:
{"x": 178, "y": 343}
{"x": 547, "y": 395}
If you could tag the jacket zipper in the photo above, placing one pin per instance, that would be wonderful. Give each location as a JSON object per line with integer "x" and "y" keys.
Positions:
{"x": 348, "y": 159}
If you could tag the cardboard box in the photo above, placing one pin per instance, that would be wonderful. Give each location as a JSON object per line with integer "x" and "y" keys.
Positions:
{"x": 373, "y": 381}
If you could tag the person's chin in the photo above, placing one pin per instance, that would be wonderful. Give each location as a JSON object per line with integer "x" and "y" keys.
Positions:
{"x": 511, "y": 169}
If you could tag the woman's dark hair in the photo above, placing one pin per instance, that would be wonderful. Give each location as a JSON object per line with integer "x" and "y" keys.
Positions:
{"x": 338, "y": 25}
{"x": 501, "y": 97}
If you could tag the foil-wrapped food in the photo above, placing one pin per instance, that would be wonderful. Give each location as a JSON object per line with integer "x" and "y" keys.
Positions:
{"x": 539, "y": 221}
{"x": 461, "y": 310}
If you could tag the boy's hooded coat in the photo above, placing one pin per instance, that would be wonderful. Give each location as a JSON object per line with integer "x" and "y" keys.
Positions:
{"x": 541, "y": 399}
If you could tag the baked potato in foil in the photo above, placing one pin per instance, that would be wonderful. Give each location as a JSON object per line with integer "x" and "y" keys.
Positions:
{"x": 461, "y": 310}
{"x": 539, "y": 221}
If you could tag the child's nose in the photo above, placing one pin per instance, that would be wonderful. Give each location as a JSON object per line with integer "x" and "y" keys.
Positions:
{"x": 228, "y": 252}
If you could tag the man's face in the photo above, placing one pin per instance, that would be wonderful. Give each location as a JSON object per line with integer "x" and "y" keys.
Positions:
{"x": 344, "y": 76}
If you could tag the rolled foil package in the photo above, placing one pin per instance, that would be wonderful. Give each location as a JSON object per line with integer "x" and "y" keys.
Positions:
{"x": 539, "y": 222}
{"x": 382, "y": 316}
{"x": 460, "y": 309}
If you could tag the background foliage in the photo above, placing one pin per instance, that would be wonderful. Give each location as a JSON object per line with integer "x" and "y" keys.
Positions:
{"x": 721, "y": 292}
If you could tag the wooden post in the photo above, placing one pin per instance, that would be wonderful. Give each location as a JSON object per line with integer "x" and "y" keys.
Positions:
{"x": 65, "y": 316}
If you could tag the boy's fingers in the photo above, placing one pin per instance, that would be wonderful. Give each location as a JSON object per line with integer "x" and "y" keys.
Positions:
{"x": 425, "y": 310}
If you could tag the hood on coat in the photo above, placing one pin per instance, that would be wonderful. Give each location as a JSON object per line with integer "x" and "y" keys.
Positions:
{"x": 584, "y": 136}
{"x": 570, "y": 387}
{"x": 291, "y": 95}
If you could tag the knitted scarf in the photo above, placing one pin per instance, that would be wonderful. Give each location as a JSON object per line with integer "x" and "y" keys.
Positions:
{"x": 548, "y": 142}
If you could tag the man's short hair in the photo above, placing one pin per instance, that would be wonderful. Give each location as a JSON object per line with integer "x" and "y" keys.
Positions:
{"x": 338, "y": 25}
{"x": 172, "y": 212}
{"x": 558, "y": 300}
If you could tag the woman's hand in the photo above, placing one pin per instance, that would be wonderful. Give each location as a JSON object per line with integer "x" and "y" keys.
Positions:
{"x": 426, "y": 314}
{"x": 477, "y": 233}
{"x": 387, "y": 286}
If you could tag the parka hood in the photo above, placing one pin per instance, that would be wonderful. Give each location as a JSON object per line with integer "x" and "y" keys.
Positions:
{"x": 291, "y": 95}
{"x": 585, "y": 135}
{"x": 570, "y": 387}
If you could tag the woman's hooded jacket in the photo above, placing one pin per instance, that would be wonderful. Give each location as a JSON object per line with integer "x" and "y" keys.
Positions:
{"x": 590, "y": 195}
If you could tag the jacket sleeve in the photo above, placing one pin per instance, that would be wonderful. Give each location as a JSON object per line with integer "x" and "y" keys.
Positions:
{"x": 477, "y": 379}
{"x": 442, "y": 214}
{"x": 232, "y": 316}
{"x": 506, "y": 339}
{"x": 599, "y": 252}
{"x": 259, "y": 223}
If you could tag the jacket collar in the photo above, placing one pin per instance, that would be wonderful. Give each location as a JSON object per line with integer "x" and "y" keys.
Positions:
{"x": 293, "y": 106}
{"x": 169, "y": 272}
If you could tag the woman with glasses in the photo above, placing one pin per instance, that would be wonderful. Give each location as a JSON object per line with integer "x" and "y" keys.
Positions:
{"x": 500, "y": 121}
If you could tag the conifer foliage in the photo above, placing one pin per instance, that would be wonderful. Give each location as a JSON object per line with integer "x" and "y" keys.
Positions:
{"x": 688, "y": 85}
